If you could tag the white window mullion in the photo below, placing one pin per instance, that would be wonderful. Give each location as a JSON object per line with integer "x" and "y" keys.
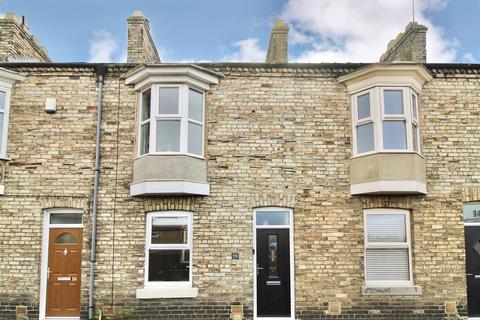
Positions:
{"x": 184, "y": 119}
{"x": 378, "y": 114}
{"x": 354, "y": 124}
{"x": 407, "y": 108}
{"x": 154, "y": 105}
{"x": 4, "y": 115}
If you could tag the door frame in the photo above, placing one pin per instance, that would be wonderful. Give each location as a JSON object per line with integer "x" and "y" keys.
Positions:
{"x": 292, "y": 262}
{"x": 471, "y": 224}
{"x": 44, "y": 263}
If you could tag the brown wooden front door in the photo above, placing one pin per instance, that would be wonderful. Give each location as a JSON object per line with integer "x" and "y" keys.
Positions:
{"x": 64, "y": 272}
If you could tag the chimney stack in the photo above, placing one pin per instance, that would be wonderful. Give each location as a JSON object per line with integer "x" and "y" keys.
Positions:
{"x": 141, "y": 48}
{"x": 278, "y": 45}
{"x": 408, "y": 46}
{"x": 16, "y": 42}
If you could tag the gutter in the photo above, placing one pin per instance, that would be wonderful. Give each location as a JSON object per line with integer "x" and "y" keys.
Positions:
{"x": 100, "y": 70}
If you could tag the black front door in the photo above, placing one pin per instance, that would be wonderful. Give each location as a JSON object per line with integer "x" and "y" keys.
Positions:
{"x": 273, "y": 273}
{"x": 472, "y": 251}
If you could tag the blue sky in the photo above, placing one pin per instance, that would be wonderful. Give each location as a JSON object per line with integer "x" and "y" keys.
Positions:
{"x": 227, "y": 30}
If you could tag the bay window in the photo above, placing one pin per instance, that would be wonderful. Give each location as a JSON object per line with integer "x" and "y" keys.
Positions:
{"x": 386, "y": 120}
{"x": 172, "y": 120}
{"x": 386, "y": 145}
{"x": 171, "y": 130}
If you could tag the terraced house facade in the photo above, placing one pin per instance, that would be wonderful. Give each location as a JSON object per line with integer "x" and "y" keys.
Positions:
{"x": 151, "y": 190}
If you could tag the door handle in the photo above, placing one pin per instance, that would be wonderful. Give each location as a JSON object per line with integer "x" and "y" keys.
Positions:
{"x": 48, "y": 272}
{"x": 477, "y": 276}
{"x": 469, "y": 274}
{"x": 259, "y": 268}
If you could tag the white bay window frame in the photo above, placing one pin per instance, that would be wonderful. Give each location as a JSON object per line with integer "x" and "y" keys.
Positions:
{"x": 182, "y": 246}
{"x": 378, "y": 116}
{"x": 4, "y": 115}
{"x": 388, "y": 245}
{"x": 182, "y": 116}
{"x": 415, "y": 122}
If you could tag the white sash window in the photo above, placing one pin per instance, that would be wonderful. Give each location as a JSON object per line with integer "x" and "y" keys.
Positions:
{"x": 387, "y": 247}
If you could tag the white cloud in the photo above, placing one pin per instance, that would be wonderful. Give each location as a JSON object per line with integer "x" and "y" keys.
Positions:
{"x": 352, "y": 30}
{"x": 247, "y": 50}
{"x": 103, "y": 47}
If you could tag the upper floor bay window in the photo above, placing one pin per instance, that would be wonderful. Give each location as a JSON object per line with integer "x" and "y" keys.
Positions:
{"x": 386, "y": 128}
{"x": 171, "y": 129}
{"x": 172, "y": 120}
{"x": 386, "y": 119}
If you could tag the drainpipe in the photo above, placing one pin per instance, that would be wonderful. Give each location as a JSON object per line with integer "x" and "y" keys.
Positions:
{"x": 100, "y": 70}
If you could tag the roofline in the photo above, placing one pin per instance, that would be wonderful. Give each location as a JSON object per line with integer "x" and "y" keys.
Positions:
{"x": 466, "y": 66}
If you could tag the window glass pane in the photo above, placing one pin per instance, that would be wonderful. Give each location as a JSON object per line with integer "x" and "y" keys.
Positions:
{"x": 414, "y": 106}
{"x": 415, "y": 137}
{"x": 393, "y": 100}
{"x": 195, "y": 138}
{"x": 363, "y": 106}
{"x": 272, "y": 218}
{"x": 195, "y": 105}
{"x": 169, "y": 234}
{"x": 3, "y": 96}
{"x": 169, "y": 265}
{"x": 168, "y": 136}
{"x": 146, "y": 105}
{"x": 387, "y": 264}
{"x": 66, "y": 237}
{"x": 471, "y": 212}
{"x": 65, "y": 218}
{"x": 272, "y": 256}
{"x": 386, "y": 228}
{"x": 169, "y": 230}
{"x": 365, "y": 140}
{"x": 144, "y": 138}
{"x": 168, "y": 101}
{"x": 394, "y": 135}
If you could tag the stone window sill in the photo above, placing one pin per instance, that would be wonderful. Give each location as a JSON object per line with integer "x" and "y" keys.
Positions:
{"x": 412, "y": 290}
{"x": 165, "y": 293}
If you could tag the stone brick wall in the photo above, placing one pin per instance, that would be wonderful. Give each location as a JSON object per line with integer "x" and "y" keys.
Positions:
{"x": 16, "y": 43}
{"x": 409, "y": 46}
{"x": 276, "y": 137}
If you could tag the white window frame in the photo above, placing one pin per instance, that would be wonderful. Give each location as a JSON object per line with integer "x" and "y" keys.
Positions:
{"x": 182, "y": 116}
{"x": 143, "y": 122}
{"x": 388, "y": 245}
{"x": 415, "y": 121}
{"x": 5, "y": 114}
{"x": 358, "y": 122}
{"x": 149, "y": 246}
{"x": 378, "y": 116}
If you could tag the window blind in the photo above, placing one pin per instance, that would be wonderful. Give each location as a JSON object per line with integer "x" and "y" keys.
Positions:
{"x": 386, "y": 228}
{"x": 387, "y": 265}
